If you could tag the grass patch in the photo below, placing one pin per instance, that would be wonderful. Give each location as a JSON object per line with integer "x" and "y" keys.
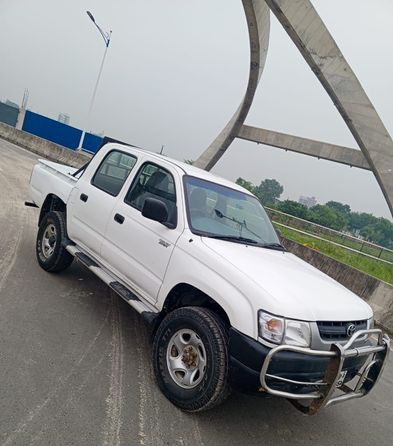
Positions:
{"x": 375, "y": 268}
{"x": 358, "y": 246}
{"x": 341, "y": 239}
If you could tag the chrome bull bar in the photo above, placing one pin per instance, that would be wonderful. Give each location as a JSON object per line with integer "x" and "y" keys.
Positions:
{"x": 368, "y": 376}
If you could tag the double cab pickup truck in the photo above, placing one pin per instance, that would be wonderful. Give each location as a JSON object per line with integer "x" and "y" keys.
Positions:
{"x": 198, "y": 257}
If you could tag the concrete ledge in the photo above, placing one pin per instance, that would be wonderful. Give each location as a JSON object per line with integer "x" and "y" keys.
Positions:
{"x": 375, "y": 292}
{"x": 42, "y": 147}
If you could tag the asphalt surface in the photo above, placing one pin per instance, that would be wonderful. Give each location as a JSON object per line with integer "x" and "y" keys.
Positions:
{"x": 75, "y": 363}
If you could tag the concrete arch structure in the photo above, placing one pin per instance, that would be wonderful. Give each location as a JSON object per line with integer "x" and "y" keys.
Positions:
{"x": 310, "y": 35}
{"x": 258, "y": 22}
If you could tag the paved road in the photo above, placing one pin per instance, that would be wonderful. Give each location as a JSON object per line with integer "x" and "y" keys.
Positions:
{"x": 75, "y": 363}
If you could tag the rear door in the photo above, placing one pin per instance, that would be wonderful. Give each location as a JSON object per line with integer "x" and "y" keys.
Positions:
{"x": 137, "y": 248}
{"x": 94, "y": 198}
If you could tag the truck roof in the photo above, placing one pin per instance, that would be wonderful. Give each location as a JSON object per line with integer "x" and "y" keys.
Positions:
{"x": 188, "y": 169}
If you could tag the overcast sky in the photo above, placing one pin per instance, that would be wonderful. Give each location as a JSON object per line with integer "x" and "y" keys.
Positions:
{"x": 176, "y": 71}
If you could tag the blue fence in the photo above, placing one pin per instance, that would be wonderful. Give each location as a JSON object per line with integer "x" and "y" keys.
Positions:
{"x": 59, "y": 133}
{"x": 52, "y": 130}
{"x": 91, "y": 143}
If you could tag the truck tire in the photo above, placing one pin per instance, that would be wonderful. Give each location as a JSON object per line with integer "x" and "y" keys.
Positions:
{"x": 190, "y": 357}
{"x": 51, "y": 254}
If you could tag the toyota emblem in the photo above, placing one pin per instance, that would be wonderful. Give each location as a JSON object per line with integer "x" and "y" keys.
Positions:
{"x": 351, "y": 328}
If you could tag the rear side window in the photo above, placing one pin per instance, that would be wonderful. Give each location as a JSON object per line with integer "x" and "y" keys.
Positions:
{"x": 113, "y": 172}
{"x": 153, "y": 182}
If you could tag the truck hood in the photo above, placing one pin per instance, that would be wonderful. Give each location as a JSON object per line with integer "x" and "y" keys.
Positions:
{"x": 287, "y": 286}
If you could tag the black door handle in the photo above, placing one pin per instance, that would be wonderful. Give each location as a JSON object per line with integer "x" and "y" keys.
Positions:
{"x": 119, "y": 218}
{"x": 84, "y": 197}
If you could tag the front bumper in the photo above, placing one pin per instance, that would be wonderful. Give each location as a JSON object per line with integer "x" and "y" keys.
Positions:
{"x": 302, "y": 374}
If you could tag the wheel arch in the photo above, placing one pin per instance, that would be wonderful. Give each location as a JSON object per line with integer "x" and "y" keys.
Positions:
{"x": 51, "y": 203}
{"x": 184, "y": 294}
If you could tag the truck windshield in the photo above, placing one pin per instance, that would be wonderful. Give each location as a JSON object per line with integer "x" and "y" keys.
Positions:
{"x": 220, "y": 212}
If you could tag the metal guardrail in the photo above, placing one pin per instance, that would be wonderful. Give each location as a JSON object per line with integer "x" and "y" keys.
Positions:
{"x": 338, "y": 238}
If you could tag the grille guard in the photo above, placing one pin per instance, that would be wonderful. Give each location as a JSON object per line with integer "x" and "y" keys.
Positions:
{"x": 367, "y": 377}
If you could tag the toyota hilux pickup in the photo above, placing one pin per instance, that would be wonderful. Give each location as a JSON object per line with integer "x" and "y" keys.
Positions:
{"x": 198, "y": 257}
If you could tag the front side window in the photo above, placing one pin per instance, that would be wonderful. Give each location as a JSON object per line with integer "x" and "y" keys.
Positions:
{"x": 113, "y": 172}
{"x": 153, "y": 182}
{"x": 221, "y": 212}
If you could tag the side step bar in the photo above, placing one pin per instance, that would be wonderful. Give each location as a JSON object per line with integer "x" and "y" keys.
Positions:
{"x": 125, "y": 293}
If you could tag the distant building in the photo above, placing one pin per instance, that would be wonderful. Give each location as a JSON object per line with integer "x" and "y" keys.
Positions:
{"x": 308, "y": 201}
{"x": 64, "y": 118}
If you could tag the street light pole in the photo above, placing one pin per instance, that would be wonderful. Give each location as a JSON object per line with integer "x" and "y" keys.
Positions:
{"x": 107, "y": 40}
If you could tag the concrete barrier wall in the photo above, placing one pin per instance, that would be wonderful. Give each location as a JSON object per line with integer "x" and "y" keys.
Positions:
{"x": 377, "y": 293}
{"x": 42, "y": 147}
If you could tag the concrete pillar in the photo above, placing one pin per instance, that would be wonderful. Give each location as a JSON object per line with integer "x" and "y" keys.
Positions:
{"x": 21, "y": 118}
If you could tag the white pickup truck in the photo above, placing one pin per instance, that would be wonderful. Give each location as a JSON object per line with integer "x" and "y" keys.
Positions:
{"x": 198, "y": 257}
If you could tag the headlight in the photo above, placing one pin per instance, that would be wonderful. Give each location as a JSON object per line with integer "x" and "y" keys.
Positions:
{"x": 297, "y": 333}
{"x": 284, "y": 331}
{"x": 271, "y": 327}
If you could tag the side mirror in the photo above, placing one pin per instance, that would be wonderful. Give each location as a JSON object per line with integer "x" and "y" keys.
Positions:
{"x": 156, "y": 210}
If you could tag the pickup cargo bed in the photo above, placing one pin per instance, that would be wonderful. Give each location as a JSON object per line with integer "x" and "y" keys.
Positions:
{"x": 54, "y": 177}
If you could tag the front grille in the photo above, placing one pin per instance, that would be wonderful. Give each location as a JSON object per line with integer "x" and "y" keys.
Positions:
{"x": 338, "y": 331}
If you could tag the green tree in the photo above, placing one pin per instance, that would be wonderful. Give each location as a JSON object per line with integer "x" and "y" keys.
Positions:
{"x": 246, "y": 184}
{"x": 380, "y": 231}
{"x": 326, "y": 216}
{"x": 343, "y": 209}
{"x": 269, "y": 191}
{"x": 293, "y": 208}
{"x": 357, "y": 220}
{"x": 385, "y": 228}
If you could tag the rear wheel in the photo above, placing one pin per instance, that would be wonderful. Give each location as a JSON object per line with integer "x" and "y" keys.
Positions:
{"x": 190, "y": 356}
{"x": 51, "y": 253}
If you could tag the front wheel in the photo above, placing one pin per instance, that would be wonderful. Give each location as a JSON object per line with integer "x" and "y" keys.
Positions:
{"x": 51, "y": 254}
{"x": 190, "y": 356}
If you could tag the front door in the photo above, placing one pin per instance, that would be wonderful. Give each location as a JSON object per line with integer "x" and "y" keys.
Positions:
{"x": 137, "y": 248}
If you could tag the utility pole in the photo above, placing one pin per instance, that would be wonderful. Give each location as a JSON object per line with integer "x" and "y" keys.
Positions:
{"x": 107, "y": 39}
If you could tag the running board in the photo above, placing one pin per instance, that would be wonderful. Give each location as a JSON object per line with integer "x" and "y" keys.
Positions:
{"x": 125, "y": 293}
{"x": 86, "y": 260}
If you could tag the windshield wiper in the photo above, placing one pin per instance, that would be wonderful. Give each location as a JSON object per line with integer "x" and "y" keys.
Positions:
{"x": 276, "y": 246}
{"x": 235, "y": 238}
{"x": 242, "y": 224}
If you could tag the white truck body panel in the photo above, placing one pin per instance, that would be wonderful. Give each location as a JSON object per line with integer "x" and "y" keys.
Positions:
{"x": 51, "y": 178}
{"x": 86, "y": 221}
{"x": 282, "y": 280}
